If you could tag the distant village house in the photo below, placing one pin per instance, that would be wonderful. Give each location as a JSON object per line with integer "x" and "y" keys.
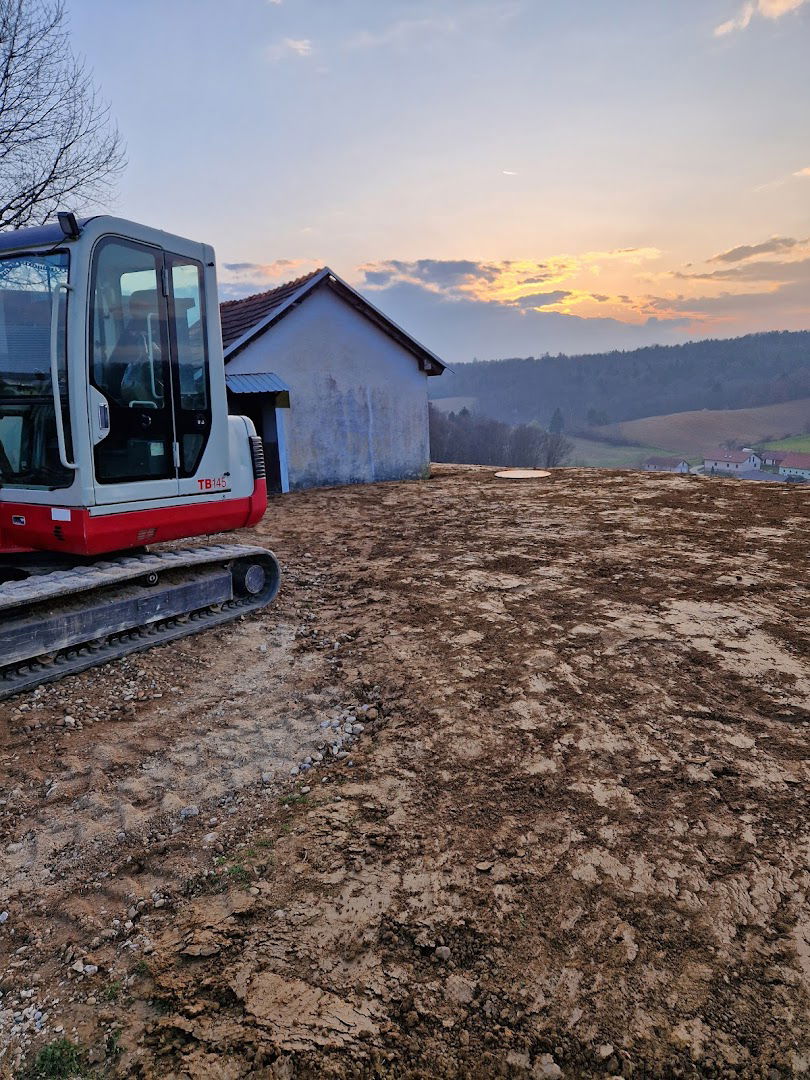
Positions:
{"x": 337, "y": 391}
{"x": 795, "y": 464}
{"x": 666, "y": 464}
{"x": 731, "y": 462}
{"x": 772, "y": 458}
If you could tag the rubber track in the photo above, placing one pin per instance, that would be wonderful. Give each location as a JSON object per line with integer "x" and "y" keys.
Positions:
{"x": 32, "y": 673}
{"x": 40, "y": 588}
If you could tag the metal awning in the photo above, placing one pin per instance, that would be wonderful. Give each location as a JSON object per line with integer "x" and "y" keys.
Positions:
{"x": 262, "y": 383}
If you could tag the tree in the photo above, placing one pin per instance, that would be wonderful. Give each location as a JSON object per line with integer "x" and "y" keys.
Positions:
{"x": 526, "y": 444}
{"x": 557, "y": 423}
{"x": 58, "y": 147}
{"x": 556, "y": 450}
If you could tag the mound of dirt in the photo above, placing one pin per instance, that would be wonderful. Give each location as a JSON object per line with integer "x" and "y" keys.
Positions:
{"x": 511, "y": 781}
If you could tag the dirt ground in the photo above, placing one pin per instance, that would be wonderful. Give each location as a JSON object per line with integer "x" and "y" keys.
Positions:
{"x": 555, "y": 823}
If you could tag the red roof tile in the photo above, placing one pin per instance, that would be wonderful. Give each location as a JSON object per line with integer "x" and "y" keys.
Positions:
{"x": 667, "y": 462}
{"x": 730, "y": 456}
{"x": 239, "y": 316}
{"x": 795, "y": 460}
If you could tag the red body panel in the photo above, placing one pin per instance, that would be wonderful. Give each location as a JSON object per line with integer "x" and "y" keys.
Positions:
{"x": 96, "y": 535}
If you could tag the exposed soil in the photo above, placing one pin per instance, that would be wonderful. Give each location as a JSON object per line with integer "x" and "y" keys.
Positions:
{"x": 571, "y": 838}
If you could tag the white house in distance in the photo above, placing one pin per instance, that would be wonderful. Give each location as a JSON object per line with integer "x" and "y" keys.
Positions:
{"x": 795, "y": 463}
{"x": 337, "y": 391}
{"x": 665, "y": 464}
{"x": 772, "y": 459}
{"x": 731, "y": 461}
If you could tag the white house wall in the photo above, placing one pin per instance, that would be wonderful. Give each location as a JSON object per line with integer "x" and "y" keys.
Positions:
{"x": 358, "y": 400}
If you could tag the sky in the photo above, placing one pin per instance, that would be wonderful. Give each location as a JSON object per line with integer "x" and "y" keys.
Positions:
{"x": 501, "y": 177}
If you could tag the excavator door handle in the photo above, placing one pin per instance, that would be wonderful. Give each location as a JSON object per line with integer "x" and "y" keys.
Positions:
{"x": 99, "y": 415}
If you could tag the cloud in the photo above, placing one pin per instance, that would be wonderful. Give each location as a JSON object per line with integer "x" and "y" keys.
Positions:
{"x": 462, "y": 329}
{"x": 539, "y": 300}
{"x": 739, "y": 22}
{"x": 506, "y": 281}
{"x": 428, "y": 29}
{"x": 561, "y": 282}
{"x": 748, "y": 251}
{"x": 765, "y": 270}
{"x": 508, "y": 172}
{"x": 404, "y": 31}
{"x": 768, "y": 9}
{"x": 450, "y": 276}
{"x": 803, "y": 172}
{"x": 289, "y": 47}
{"x": 273, "y": 269}
{"x": 239, "y": 279}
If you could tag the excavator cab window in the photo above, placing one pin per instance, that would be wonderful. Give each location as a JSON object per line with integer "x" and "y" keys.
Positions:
{"x": 129, "y": 362}
{"x": 32, "y": 324}
{"x": 149, "y": 359}
{"x": 190, "y": 349}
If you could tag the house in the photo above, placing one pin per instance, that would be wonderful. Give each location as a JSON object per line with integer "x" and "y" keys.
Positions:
{"x": 731, "y": 461}
{"x": 795, "y": 464}
{"x": 336, "y": 389}
{"x": 772, "y": 458}
{"x": 665, "y": 464}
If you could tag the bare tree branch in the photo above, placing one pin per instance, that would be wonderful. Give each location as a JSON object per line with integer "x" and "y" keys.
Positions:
{"x": 58, "y": 146}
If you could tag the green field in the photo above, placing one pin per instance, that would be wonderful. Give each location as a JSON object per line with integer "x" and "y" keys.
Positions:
{"x": 604, "y": 456}
{"x": 797, "y": 442}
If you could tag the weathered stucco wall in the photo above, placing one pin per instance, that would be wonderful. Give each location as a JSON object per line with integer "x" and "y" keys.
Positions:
{"x": 358, "y": 401}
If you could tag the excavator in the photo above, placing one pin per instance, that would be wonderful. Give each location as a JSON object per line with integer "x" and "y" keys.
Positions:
{"x": 115, "y": 437}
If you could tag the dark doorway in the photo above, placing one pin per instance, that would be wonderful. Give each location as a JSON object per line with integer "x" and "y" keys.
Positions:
{"x": 261, "y": 409}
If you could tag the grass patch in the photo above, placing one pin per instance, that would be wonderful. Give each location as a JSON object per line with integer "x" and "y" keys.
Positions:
{"x": 240, "y": 874}
{"x": 59, "y": 1060}
{"x": 795, "y": 442}
{"x": 113, "y": 990}
{"x": 294, "y": 800}
{"x": 601, "y": 455}
{"x": 112, "y": 1044}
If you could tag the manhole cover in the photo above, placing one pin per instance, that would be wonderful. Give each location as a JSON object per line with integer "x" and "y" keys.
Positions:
{"x": 523, "y": 474}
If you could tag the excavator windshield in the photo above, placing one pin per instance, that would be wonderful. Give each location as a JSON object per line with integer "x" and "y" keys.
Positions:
{"x": 32, "y": 333}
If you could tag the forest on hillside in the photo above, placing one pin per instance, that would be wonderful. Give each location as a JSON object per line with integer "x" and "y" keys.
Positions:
{"x": 603, "y": 388}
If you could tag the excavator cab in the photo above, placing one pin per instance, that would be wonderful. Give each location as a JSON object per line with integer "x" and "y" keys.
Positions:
{"x": 115, "y": 435}
{"x": 114, "y": 428}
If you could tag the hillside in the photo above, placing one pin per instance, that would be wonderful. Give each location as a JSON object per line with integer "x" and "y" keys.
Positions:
{"x": 691, "y": 433}
{"x": 605, "y": 388}
{"x": 555, "y": 823}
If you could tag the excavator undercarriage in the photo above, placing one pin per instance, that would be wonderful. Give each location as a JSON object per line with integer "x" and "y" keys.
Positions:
{"x": 56, "y": 622}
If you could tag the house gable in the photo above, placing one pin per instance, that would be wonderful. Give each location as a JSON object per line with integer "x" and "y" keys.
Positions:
{"x": 358, "y": 402}
{"x": 244, "y": 320}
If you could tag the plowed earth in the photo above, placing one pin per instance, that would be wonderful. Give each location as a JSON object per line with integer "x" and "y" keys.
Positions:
{"x": 572, "y": 838}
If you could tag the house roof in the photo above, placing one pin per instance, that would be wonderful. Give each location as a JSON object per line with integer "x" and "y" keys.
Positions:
{"x": 665, "y": 462}
{"x": 239, "y": 317}
{"x": 773, "y": 455}
{"x": 263, "y": 383}
{"x": 795, "y": 460}
{"x": 731, "y": 457}
{"x": 244, "y": 320}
